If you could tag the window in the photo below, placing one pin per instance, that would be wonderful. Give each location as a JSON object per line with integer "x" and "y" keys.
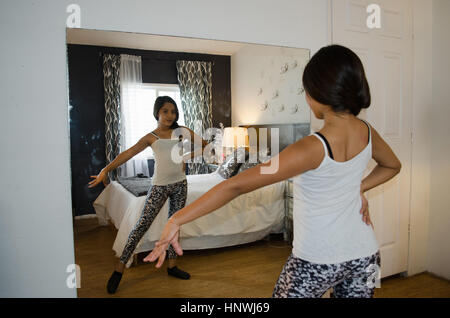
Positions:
{"x": 138, "y": 113}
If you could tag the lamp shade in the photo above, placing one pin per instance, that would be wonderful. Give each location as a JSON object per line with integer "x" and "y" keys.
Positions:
{"x": 235, "y": 137}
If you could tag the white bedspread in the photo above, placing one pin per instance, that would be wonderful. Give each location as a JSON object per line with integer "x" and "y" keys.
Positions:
{"x": 247, "y": 218}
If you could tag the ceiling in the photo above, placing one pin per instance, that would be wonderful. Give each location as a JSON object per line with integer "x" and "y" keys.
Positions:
{"x": 151, "y": 42}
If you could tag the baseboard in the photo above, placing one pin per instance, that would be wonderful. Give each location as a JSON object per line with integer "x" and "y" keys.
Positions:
{"x": 436, "y": 276}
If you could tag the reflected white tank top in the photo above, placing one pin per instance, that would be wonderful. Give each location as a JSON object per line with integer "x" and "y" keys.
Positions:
{"x": 167, "y": 171}
{"x": 328, "y": 227}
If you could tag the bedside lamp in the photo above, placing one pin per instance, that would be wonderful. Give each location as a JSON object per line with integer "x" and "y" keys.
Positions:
{"x": 234, "y": 137}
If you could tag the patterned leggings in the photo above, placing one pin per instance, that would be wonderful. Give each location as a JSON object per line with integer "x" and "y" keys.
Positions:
{"x": 156, "y": 197}
{"x": 351, "y": 279}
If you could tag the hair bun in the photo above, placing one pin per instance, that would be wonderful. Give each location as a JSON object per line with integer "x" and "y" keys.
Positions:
{"x": 335, "y": 76}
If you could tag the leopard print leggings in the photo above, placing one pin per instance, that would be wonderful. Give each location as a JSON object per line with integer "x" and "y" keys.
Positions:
{"x": 351, "y": 279}
{"x": 156, "y": 197}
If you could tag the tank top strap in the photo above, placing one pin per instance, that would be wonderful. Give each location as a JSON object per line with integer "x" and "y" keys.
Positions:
{"x": 370, "y": 130}
{"x": 325, "y": 144}
{"x": 154, "y": 135}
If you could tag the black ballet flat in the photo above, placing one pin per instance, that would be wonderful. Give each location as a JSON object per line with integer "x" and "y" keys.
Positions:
{"x": 113, "y": 282}
{"x": 178, "y": 273}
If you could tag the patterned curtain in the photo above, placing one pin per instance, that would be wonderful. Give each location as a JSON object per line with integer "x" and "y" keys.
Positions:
{"x": 195, "y": 80}
{"x": 111, "y": 83}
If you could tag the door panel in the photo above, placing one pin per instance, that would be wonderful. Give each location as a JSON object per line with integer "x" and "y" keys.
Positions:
{"x": 387, "y": 57}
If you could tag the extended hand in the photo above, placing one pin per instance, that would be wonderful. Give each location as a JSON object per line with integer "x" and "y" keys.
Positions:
{"x": 169, "y": 236}
{"x": 101, "y": 177}
{"x": 365, "y": 210}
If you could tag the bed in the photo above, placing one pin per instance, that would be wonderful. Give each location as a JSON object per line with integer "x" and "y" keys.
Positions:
{"x": 248, "y": 218}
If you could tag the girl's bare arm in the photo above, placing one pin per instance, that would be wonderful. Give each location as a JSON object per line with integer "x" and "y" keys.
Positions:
{"x": 387, "y": 167}
{"x": 123, "y": 157}
{"x": 304, "y": 155}
{"x": 126, "y": 155}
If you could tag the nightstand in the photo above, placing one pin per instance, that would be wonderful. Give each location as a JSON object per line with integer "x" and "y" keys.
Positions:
{"x": 288, "y": 210}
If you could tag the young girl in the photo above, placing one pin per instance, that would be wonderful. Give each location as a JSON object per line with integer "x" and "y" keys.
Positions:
{"x": 331, "y": 247}
{"x": 169, "y": 181}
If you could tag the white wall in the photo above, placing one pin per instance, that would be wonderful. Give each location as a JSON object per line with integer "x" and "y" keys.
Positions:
{"x": 421, "y": 126}
{"x": 256, "y": 76}
{"x": 36, "y": 236}
{"x": 439, "y": 222}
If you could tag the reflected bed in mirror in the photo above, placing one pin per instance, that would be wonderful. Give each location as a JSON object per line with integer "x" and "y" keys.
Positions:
{"x": 114, "y": 79}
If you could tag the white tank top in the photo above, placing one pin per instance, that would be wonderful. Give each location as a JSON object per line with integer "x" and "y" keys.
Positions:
{"x": 328, "y": 227}
{"x": 166, "y": 170}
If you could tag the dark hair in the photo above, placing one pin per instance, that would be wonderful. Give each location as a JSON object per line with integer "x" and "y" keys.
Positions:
{"x": 335, "y": 76}
{"x": 159, "y": 103}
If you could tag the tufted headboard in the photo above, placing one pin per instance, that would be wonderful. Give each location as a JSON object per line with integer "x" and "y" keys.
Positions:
{"x": 288, "y": 133}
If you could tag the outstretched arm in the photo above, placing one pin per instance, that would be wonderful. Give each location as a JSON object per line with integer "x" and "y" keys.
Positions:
{"x": 304, "y": 155}
{"x": 123, "y": 157}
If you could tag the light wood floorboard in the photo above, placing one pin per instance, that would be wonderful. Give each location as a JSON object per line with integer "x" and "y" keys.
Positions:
{"x": 246, "y": 271}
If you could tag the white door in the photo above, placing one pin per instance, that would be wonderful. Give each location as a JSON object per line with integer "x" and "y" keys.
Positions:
{"x": 387, "y": 57}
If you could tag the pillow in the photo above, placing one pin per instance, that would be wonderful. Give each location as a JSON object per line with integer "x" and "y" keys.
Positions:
{"x": 247, "y": 165}
{"x": 264, "y": 155}
{"x": 232, "y": 163}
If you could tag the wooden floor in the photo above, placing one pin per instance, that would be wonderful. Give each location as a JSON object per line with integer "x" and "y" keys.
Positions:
{"x": 246, "y": 271}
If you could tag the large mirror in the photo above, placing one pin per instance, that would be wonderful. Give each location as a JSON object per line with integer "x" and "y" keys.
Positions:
{"x": 114, "y": 80}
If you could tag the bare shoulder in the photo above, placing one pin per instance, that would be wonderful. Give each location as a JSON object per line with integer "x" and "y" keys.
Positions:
{"x": 307, "y": 152}
{"x": 311, "y": 144}
{"x": 374, "y": 132}
{"x": 150, "y": 138}
{"x": 377, "y": 141}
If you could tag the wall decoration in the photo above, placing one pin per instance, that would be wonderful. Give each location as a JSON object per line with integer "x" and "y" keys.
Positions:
{"x": 264, "y": 106}
{"x": 275, "y": 94}
{"x": 275, "y": 88}
{"x": 293, "y": 109}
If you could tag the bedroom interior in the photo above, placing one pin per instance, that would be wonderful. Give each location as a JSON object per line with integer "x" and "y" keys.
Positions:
{"x": 256, "y": 104}
{"x": 256, "y": 99}
{"x": 35, "y": 121}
